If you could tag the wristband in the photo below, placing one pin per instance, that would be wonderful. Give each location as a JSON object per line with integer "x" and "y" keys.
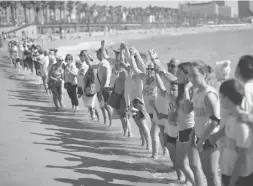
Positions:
{"x": 214, "y": 118}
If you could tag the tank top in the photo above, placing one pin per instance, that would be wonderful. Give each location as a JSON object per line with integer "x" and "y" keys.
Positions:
{"x": 184, "y": 120}
{"x": 201, "y": 115}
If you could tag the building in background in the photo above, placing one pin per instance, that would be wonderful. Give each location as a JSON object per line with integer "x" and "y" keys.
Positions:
{"x": 203, "y": 9}
{"x": 226, "y": 11}
{"x": 220, "y": 3}
{"x": 244, "y": 7}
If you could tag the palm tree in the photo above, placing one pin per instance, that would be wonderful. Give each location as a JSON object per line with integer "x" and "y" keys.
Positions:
{"x": 61, "y": 6}
{"x": 5, "y": 5}
{"x": 70, "y": 8}
{"x": 44, "y": 7}
{"x": 52, "y": 8}
{"x": 37, "y": 5}
{"x": 13, "y": 6}
{"x": 24, "y": 4}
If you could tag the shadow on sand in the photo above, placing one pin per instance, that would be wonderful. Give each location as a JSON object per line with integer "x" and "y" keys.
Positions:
{"x": 86, "y": 143}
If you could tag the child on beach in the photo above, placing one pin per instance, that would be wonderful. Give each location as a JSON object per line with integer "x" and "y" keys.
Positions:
{"x": 237, "y": 156}
{"x": 171, "y": 128}
{"x": 244, "y": 73}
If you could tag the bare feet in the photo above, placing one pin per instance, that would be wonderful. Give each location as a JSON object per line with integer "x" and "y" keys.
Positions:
{"x": 142, "y": 142}
{"x": 165, "y": 152}
{"x": 154, "y": 157}
{"x": 130, "y": 134}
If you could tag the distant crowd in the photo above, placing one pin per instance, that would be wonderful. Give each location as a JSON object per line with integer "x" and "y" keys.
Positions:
{"x": 199, "y": 115}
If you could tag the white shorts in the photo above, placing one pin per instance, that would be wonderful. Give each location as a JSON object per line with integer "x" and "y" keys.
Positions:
{"x": 159, "y": 122}
{"x": 90, "y": 101}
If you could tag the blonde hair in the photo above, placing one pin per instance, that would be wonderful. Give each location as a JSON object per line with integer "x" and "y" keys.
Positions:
{"x": 222, "y": 70}
{"x": 207, "y": 71}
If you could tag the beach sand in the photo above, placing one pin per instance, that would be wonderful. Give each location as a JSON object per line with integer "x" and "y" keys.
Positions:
{"x": 42, "y": 147}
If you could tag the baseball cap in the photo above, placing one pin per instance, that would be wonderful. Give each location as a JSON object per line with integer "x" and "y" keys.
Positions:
{"x": 116, "y": 51}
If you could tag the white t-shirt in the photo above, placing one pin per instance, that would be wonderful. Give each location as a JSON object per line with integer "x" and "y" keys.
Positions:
{"x": 201, "y": 115}
{"x": 101, "y": 74}
{"x": 69, "y": 77}
{"x": 44, "y": 66}
{"x": 247, "y": 103}
{"x": 81, "y": 73}
{"x": 237, "y": 135}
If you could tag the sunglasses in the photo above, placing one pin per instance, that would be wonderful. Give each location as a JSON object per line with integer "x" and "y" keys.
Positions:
{"x": 150, "y": 69}
{"x": 61, "y": 60}
{"x": 68, "y": 59}
{"x": 181, "y": 68}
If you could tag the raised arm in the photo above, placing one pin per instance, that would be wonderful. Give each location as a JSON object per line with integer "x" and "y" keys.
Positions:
{"x": 134, "y": 52}
{"x": 105, "y": 55}
{"x": 160, "y": 85}
{"x": 166, "y": 75}
{"x": 122, "y": 60}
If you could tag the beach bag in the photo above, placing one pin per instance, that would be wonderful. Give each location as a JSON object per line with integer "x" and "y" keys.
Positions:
{"x": 90, "y": 88}
{"x": 67, "y": 85}
{"x": 115, "y": 100}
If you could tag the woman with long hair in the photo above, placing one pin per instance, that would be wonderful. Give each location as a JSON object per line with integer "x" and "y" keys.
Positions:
{"x": 206, "y": 107}
{"x": 185, "y": 119}
{"x": 56, "y": 76}
{"x": 71, "y": 80}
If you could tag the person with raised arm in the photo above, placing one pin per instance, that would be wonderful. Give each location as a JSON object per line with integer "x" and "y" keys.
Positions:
{"x": 134, "y": 90}
{"x": 158, "y": 125}
{"x": 104, "y": 72}
{"x": 117, "y": 98}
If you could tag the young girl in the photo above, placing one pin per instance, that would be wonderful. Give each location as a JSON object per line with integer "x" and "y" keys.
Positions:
{"x": 236, "y": 160}
{"x": 158, "y": 125}
{"x": 150, "y": 94}
{"x": 206, "y": 108}
{"x": 185, "y": 119}
{"x": 171, "y": 128}
{"x": 71, "y": 72}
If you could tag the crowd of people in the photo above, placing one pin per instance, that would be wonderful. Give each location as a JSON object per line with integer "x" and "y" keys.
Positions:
{"x": 199, "y": 114}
